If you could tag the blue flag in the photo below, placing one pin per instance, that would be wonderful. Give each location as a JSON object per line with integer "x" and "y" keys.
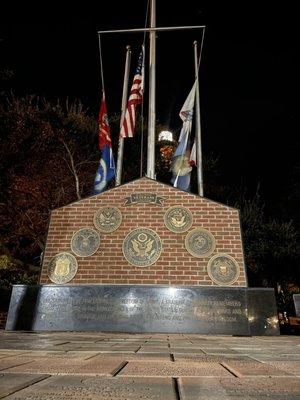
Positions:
{"x": 106, "y": 168}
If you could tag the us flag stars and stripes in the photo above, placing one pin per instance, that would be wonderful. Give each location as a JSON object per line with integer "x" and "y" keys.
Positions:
{"x": 135, "y": 98}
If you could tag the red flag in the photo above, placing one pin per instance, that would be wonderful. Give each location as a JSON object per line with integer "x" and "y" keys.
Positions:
{"x": 135, "y": 98}
{"x": 103, "y": 125}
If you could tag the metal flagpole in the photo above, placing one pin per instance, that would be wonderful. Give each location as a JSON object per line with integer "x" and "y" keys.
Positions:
{"x": 123, "y": 110}
{"x": 101, "y": 65}
{"x": 198, "y": 126}
{"x": 152, "y": 87}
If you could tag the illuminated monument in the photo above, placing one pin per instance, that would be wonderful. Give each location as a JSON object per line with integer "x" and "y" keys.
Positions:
{"x": 145, "y": 257}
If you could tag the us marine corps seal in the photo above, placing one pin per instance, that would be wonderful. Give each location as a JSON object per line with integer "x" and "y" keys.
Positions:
{"x": 178, "y": 219}
{"x": 142, "y": 247}
{"x": 223, "y": 269}
{"x": 107, "y": 219}
{"x": 85, "y": 242}
{"x": 62, "y": 268}
{"x": 199, "y": 242}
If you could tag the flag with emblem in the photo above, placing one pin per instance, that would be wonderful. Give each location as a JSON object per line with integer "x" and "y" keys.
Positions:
{"x": 135, "y": 98}
{"x": 106, "y": 168}
{"x": 182, "y": 159}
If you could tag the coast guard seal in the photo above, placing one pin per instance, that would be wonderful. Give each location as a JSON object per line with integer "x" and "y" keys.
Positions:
{"x": 223, "y": 269}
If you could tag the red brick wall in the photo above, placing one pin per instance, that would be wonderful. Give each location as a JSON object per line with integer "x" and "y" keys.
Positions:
{"x": 174, "y": 266}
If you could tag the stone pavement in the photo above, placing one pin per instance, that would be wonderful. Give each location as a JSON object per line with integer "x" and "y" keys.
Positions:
{"x": 115, "y": 366}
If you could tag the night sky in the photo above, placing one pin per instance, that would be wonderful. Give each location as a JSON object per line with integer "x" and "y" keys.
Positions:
{"x": 248, "y": 76}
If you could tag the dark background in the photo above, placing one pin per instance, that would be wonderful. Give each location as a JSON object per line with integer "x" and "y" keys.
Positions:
{"x": 249, "y": 76}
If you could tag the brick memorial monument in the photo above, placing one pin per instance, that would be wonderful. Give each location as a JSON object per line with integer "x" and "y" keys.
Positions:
{"x": 144, "y": 257}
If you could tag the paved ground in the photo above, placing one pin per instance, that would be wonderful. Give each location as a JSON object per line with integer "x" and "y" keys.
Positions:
{"x": 170, "y": 367}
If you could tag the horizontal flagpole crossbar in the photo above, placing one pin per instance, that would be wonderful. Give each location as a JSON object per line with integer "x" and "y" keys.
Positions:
{"x": 168, "y": 28}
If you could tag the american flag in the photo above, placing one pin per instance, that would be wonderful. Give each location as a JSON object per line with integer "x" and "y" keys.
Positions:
{"x": 135, "y": 98}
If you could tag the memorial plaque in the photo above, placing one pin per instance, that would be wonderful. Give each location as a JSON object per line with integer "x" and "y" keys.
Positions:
{"x": 141, "y": 308}
{"x": 62, "y": 268}
{"x": 178, "y": 219}
{"x": 85, "y": 242}
{"x": 107, "y": 219}
{"x": 148, "y": 198}
{"x": 223, "y": 269}
{"x": 142, "y": 247}
{"x": 200, "y": 242}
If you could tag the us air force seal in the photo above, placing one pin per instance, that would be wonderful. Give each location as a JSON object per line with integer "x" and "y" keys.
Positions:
{"x": 62, "y": 268}
{"x": 142, "y": 247}
{"x": 178, "y": 219}
{"x": 85, "y": 242}
{"x": 200, "y": 242}
{"x": 223, "y": 269}
{"x": 107, "y": 219}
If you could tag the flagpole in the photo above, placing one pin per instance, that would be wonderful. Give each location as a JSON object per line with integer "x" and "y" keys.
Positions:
{"x": 123, "y": 110}
{"x": 198, "y": 126}
{"x": 152, "y": 87}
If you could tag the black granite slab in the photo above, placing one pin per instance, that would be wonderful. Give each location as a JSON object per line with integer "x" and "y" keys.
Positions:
{"x": 262, "y": 311}
{"x": 140, "y": 308}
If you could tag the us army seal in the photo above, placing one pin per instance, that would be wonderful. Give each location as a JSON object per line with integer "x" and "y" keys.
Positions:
{"x": 107, "y": 219}
{"x": 62, "y": 268}
{"x": 85, "y": 242}
{"x": 199, "y": 242}
{"x": 178, "y": 219}
{"x": 142, "y": 247}
{"x": 223, "y": 269}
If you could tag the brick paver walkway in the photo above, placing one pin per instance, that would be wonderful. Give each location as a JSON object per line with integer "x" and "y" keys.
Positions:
{"x": 115, "y": 366}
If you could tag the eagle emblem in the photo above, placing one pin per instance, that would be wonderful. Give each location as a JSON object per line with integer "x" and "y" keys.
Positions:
{"x": 142, "y": 247}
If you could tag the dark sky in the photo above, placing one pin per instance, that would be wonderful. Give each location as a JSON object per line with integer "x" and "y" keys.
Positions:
{"x": 249, "y": 74}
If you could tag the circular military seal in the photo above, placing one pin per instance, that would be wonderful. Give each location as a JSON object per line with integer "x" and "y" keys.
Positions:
{"x": 142, "y": 247}
{"x": 223, "y": 269}
{"x": 178, "y": 219}
{"x": 107, "y": 219}
{"x": 85, "y": 242}
{"x": 62, "y": 268}
{"x": 200, "y": 243}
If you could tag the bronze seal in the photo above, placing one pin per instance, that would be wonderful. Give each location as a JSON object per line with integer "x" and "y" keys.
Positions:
{"x": 107, "y": 219}
{"x": 178, "y": 219}
{"x": 85, "y": 242}
{"x": 200, "y": 243}
{"x": 223, "y": 269}
{"x": 62, "y": 268}
{"x": 142, "y": 247}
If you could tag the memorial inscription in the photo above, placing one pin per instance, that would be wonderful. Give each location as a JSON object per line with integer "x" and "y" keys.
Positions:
{"x": 139, "y": 308}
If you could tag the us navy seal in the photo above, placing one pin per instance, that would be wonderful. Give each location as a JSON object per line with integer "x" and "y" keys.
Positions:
{"x": 178, "y": 219}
